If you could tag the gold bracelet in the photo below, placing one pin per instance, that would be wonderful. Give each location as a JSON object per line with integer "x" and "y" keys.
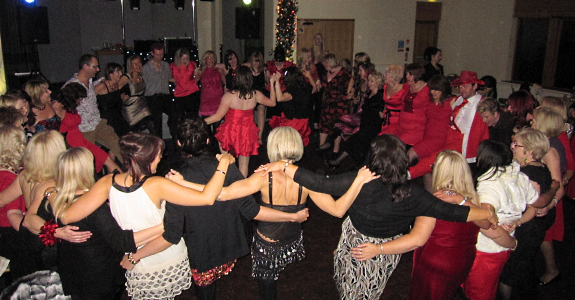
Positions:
{"x": 131, "y": 259}
{"x": 381, "y": 248}
{"x": 223, "y": 172}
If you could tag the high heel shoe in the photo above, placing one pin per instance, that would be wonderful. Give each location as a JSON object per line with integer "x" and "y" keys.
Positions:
{"x": 323, "y": 147}
{"x": 555, "y": 279}
{"x": 331, "y": 164}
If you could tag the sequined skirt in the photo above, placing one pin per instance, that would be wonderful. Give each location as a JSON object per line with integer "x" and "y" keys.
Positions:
{"x": 270, "y": 258}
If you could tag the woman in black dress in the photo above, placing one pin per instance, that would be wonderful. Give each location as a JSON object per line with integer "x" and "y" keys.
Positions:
{"x": 110, "y": 99}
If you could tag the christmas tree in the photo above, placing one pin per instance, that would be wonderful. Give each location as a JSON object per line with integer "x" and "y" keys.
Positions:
{"x": 286, "y": 25}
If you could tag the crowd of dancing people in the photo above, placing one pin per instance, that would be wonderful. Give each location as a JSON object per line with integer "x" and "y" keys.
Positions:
{"x": 474, "y": 185}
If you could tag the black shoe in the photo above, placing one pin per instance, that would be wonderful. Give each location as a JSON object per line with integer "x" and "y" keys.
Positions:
{"x": 331, "y": 164}
{"x": 323, "y": 147}
{"x": 555, "y": 279}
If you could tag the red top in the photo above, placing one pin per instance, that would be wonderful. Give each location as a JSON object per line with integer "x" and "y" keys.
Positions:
{"x": 436, "y": 127}
{"x": 568, "y": 152}
{"x": 271, "y": 65}
{"x": 74, "y": 138}
{"x": 184, "y": 77}
{"x": 6, "y": 178}
{"x": 413, "y": 116}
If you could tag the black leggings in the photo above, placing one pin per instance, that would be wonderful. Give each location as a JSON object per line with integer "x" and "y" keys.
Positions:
{"x": 206, "y": 292}
{"x": 267, "y": 288}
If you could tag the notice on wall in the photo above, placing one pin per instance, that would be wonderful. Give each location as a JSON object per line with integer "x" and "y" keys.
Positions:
{"x": 400, "y": 45}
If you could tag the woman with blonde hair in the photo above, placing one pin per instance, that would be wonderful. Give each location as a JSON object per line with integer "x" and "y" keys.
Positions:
{"x": 187, "y": 92}
{"x": 40, "y": 165}
{"x": 552, "y": 124}
{"x": 443, "y": 263}
{"x": 280, "y": 243}
{"x": 45, "y": 116}
{"x": 393, "y": 95}
{"x": 12, "y": 144}
{"x": 12, "y": 99}
{"x": 212, "y": 80}
{"x": 91, "y": 269}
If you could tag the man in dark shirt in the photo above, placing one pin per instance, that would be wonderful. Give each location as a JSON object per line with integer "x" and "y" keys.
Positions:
{"x": 500, "y": 123}
{"x": 215, "y": 235}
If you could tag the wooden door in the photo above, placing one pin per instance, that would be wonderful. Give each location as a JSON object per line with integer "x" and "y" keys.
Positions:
{"x": 425, "y": 36}
{"x": 337, "y": 35}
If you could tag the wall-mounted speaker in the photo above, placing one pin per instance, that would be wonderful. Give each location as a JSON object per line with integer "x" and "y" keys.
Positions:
{"x": 135, "y": 4}
{"x": 33, "y": 24}
{"x": 179, "y": 4}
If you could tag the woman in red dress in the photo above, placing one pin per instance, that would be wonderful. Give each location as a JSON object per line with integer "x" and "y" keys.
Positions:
{"x": 393, "y": 95}
{"x": 71, "y": 95}
{"x": 239, "y": 134}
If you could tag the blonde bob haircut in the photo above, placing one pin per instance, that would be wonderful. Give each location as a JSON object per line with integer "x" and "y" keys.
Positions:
{"x": 331, "y": 60}
{"x": 378, "y": 77}
{"x": 395, "y": 72}
{"x": 533, "y": 140}
{"x": 451, "y": 172}
{"x": 41, "y": 156}
{"x": 35, "y": 89}
{"x": 203, "y": 64}
{"x": 12, "y": 145}
{"x": 548, "y": 121}
{"x": 284, "y": 143}
{"x": 556, "y": 104}
{"x": 75, "y": 171}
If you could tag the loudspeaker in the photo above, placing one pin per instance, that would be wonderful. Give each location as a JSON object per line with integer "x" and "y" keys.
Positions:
{"x": 135, "y": 4}
{"x": 33, "y": 24}
{"x": 179, "y": 4}
{"x": 247, "y": 23}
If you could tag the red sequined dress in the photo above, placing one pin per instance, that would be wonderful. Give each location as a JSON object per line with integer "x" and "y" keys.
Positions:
{"x": 239, "y": 133}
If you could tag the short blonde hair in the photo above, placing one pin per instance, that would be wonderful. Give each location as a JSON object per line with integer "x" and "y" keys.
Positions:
{"x": 331, "y": 60}
{"x": 35, "y": 89}
{"x": 533, "y": 140}
{"x": 302, "y": 57}
{"x": 12, "y": 145}
{"x": 41, "y": 156}
{"x": 203, "y": 64}
{"x": 451, "y": 172}
{"x": 8, "y": 100}
{"x": 378, "y": 77}
{"x": 556, "y": 104}
{"x": 75, "y": 171}
{"x": 395, "y": 71}
{"x": 284, "y": 143}
{"x": 548, "y": 121}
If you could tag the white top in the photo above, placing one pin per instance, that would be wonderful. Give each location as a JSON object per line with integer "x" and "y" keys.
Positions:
{"x": 509, "y": 192}
{"x": 464, "y": 120}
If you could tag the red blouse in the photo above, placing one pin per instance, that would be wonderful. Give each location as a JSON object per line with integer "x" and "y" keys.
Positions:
{"x": 184, "y": 77}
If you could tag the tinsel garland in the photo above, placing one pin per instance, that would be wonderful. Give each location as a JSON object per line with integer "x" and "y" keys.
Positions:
{"x": 286, "y": 25}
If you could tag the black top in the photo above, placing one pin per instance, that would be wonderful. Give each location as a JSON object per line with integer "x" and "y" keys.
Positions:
{"x": 431, "y": 71}
{"x": 230, "y": 78}
{"x": 297, "y": 107}
{"x": 373, "y": 213}
{"x": 214, "y": 234}
{"x": 370, "y": 112}
{"x": 503, "y": 129}
{"x": 539, "y": 174}
{"x": 92, "y": 267}
{"x": 259, "y": 82}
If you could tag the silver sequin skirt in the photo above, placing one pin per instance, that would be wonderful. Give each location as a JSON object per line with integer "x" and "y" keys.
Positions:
{"x": 270, "y": 258}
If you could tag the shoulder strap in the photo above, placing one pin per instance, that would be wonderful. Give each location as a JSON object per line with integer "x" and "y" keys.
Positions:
{"x": 270, "y": 183}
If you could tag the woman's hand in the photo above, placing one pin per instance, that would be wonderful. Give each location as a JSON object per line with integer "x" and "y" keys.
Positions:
{"x": 124, "y": 97}
{"x": 493, "y": 219}
{"x": 364, "y": 175}
{"x": 365, "y": 251}
{"x": 449, "y": 196}
{"x": 511, "y": 226}
{"x": 277, "y": 166}
{"x": 541, "y": 212}
{"x": 302, "y": 215}
{"x": 126, "y": 264}
{"x": 175, "y": 176}
{"x": 226, "y": 157}
{"x": 70, "y": 234}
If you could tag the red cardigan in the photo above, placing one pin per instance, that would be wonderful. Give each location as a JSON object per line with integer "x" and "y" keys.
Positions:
{"x": 436, "y": 127}
{"x": 412, "y": 123}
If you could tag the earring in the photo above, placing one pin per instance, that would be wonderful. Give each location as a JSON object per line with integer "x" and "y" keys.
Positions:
{"x": 526, "y": 160}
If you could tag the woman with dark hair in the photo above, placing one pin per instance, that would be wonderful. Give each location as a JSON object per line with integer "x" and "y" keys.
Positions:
{"x": 489, "y": 89}
{"x": 433, "y": 56}
{"x": 135, "y": 109}
{"x": 373, "y": 239}
{"x": 88, "y": 270}
{"x": 110, "y": 99}
{"x": 239, "y": 134}
{"x": 521, "y": 105}
{"x": 296, "y": 96}
{"x": 44, "y": 115}
{"x": 71, "y": 95}
{"x": 230, "y": 67}
{"x": 257, "y": 66}
{"x": 212, "y": 250}
{"x": 278, "y": 66}
{"x": 369, "y": 125}
{"x": 335, "y": 104}
{"x": 187, "y": 92}
{"x": 137, "y": 202}
{"x": 507, "y": 192}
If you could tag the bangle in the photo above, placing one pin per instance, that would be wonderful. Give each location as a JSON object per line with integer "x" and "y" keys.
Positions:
{"x": 464, "y": 200}
{"x": 285, "y": 167}
{"x": 381, "y": 248}
{"x": 516, "y": 243}
{"x": 520, "y": 223}
{"x": 555, "y": 201}
{"x": 131, "y": 259}
{"x": 223, "y": 172}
